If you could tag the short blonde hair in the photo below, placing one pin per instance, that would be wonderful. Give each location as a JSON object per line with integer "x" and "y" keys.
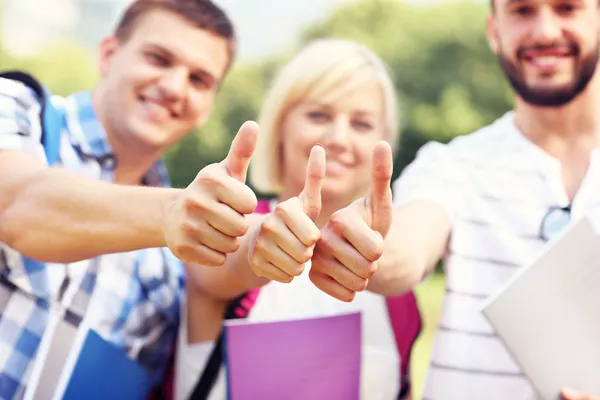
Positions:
{"x": 323, "y": 67}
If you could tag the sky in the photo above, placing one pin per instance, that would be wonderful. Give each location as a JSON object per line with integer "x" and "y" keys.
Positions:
{"x": 264, "y": 27}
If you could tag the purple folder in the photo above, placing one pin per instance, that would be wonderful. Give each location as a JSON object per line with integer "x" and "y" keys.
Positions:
{"x": 316, "y": 359}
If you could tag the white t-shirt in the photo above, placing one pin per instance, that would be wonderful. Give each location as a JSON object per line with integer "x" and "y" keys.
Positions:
{"x": 276, "y": 302}
{"x": 496, "y": 186}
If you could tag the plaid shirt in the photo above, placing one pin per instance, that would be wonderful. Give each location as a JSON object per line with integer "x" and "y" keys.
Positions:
{"x": 134, "y": 298}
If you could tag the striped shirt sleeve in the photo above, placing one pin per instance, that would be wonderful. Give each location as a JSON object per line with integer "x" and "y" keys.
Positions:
{"x": 434, "y": 175}
{"x": 20, "y": 125}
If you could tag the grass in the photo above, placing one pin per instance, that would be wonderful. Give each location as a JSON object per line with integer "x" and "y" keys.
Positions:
{"x": 430, "y": 296}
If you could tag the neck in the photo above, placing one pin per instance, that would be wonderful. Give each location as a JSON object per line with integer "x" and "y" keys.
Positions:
{"x": 574, "y": 124}
{"x": 133, "y": 162}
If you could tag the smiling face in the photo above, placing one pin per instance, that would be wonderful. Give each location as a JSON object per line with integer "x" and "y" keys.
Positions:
{"x": 547, "y": 48}
{"x": 348, "y": 125}
{"x": 161, "y": 81}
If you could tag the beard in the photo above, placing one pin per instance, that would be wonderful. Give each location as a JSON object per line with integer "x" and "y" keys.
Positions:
{"x": 556, "y": 96}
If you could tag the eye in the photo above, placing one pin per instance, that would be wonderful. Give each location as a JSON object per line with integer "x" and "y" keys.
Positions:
{"x": 524, "y": 11}
{"x": 565, "y": 8}
{"x": 318, "y": 116}
{"x": 199, "y": 81}
{"x": 362, "y": 126}
{"x": 157, "y": 59}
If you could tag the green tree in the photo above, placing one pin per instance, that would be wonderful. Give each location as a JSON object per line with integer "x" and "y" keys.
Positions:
{"x": 64, "y": 66}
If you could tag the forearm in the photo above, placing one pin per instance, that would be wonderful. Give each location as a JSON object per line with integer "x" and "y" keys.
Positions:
{"x": 58, "y": 216}
{"x": 205, "y": 315}
{"x": 415, "y": 243}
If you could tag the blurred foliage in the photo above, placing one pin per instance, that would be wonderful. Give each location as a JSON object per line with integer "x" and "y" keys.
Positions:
{"x": 64, "y": 66}
{"x": 448, "y": 81}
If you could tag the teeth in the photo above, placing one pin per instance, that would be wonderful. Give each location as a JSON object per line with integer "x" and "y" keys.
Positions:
{"x": 546, "y": 60}
{"x": 156, "y": 109}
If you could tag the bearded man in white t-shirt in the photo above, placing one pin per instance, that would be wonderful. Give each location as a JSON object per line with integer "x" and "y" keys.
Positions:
{"x": 483, "y": 201}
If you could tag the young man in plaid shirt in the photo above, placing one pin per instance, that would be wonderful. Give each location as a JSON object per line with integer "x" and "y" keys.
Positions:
{"x": 103, "y": 220}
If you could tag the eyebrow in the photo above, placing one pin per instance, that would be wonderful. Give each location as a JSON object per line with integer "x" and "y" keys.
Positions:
{"x": 513, "y": 2}
{"x": 365, "y": 113}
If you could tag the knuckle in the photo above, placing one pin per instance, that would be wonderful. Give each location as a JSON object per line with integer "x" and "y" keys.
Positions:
{"x": 358, "y": 284}
{"x": 306, "y": 255}
{"x": 346, "y": 296}
{"x": 239, "y": 227}
{"x": 298, "y": 269}
{"x": 184, "y": 251}
{"x": 232, "y": 245}
{"x": 261, "y": 245}
{"x": 282, "y": 209}
{"x": 314, "y": 236}
{"x": 337, "y": 222}
{"x": 209, "y": 175}
{"x": 212, "y": 258}
{"x": 250, "y": 202}
{"x": 375, "y": 252}
{"x": 371, "y": 269}
{"x": 258, "y": 267}
{"x": 189, "y": 229}
{"x": 269, "y": 225}
{"x": 193, "y": 205}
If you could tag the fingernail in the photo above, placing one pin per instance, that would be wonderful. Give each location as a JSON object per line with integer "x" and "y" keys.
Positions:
{"x": 318, "y": 144}
{"x": 569, "y": 392}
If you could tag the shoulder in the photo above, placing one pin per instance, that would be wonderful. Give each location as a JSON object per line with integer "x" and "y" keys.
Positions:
{"x": 484, "y": 145}
{"x": 20, "y": 108}
{"x": 16, "y": 92}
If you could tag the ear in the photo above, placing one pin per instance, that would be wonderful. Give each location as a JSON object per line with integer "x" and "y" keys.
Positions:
{"x": 106, "y": 49}
{"x": 490, "y": 31}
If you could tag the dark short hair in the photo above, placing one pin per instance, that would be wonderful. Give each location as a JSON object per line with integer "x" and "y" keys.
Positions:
{"x": 203, "y": 14}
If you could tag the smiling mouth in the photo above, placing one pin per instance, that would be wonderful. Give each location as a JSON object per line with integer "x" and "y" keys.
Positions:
{"x": 335, "y": 167}
{"x": 547, "y": 58}
{"x": 156, "y": 110}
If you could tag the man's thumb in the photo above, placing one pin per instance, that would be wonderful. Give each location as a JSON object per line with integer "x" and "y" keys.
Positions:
{"x": 379, "y": 199}
{"x": 241, "y": 150}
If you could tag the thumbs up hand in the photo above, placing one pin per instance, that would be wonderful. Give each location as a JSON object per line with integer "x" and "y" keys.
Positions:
{"x": 351, "y": 243}
{"x": 207, "y": 218}
{"x": 286, "y": 239}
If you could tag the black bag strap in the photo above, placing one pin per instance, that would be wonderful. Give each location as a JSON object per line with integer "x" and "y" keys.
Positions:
{"x": 213, "y": 366}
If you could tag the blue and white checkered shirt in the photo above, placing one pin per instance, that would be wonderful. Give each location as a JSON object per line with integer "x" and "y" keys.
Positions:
{"x": 135, "y": 296}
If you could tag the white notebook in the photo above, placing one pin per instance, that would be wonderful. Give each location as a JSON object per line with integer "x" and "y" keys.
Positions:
{"x": 548, "y": 314}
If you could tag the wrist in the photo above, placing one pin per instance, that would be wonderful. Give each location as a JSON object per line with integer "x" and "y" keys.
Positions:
{"x": 166, "y": 201}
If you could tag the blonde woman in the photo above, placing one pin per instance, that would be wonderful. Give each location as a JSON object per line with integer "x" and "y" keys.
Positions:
{"x": 337, "y": 94}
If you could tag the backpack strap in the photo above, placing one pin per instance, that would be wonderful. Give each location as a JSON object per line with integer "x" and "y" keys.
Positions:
{"x": 49, "y": 116}
{"x": 406, "y": 322}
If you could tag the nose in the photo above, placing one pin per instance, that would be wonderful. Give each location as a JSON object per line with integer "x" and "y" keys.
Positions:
{"x": 338, "y": 133}
{"x": 173, "y": 84}
{"x": 547, "y": 27}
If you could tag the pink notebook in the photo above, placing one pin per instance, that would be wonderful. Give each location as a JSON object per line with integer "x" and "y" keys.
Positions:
{"x": 316, "y": 358}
